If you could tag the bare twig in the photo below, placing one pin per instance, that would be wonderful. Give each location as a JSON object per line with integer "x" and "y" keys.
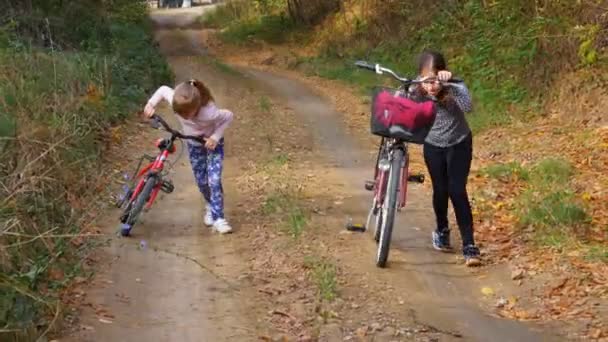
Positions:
{"x": 6, "y": 280}
{"x": 29, "y": 140}
{"x": 13, "y": 222}
{"x": 57, "y": 311}
{"x": 48, "y": 28}
{"x": 284, "y": 314}
{"x": 32, "y": 162}
{"x": 34, "y": 238}
{"x": 46, "y": 243}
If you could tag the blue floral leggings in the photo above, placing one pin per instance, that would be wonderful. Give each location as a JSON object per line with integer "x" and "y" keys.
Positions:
{"x": 207, "y": 168}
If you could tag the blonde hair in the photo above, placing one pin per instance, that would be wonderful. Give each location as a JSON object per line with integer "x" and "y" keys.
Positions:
{"x": 189, "y": 97}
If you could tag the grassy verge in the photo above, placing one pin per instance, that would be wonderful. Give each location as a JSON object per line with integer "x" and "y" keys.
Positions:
{"x": 546, "y": 203}
{"x": 244, "y": 22}
{"x": 284, "y": 207}
{"x": 283, "y": 203}
{"x": 491, "y": 45}
{"x": 67, "y": 75}
{"x": 324, "y": 275}
{"x": 292, "y": 218}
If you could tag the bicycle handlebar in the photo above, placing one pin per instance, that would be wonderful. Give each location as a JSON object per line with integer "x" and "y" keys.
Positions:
{"x": 159, "y": 120}
{"x": 380, "y": 70}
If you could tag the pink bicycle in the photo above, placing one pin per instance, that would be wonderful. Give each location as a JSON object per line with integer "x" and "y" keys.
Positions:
{"x": 391, "y": 174}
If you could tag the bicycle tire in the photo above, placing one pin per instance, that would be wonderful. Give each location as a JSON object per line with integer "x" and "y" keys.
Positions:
{"x": 391, "y": 201}
{"x": 138, "y": 204}
{"x": 378, "y": 225}
{"x": 375, "y": 220}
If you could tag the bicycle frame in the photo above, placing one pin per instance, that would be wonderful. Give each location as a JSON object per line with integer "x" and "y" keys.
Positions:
{"x": 148, "y": 181}
{"x": 381, "y": 172}
{"x": 386, "y": 176}
{"x": 153, "y": 170}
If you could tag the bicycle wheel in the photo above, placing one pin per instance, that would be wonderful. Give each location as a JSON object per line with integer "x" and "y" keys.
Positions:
{"x": 389, "y": 207}
{"x": 378, "y": 226}
{"x": 133, "y": 211}
{"x": 374, "y": 218}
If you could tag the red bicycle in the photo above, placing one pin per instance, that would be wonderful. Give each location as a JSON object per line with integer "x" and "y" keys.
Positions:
{"x": 148, "y": 181}
{"x": 391, "y": 174}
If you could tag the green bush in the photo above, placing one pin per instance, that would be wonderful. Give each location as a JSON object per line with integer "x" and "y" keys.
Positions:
{"x": 69, "y": 70}
{"x": 274, "y": 29}
{"x": 508, "y": 52}
{"x": 242, "y": 21}
{"x": 547, "y": 204}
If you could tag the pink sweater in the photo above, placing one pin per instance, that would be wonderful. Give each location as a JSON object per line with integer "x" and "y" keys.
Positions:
{"x": 209, "y": 122}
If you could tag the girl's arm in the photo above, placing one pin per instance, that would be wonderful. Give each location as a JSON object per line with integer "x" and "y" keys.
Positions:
{"x": 223, "y": 117}
{"x": 162, "y": 93}
{"x": 462, "y": 97}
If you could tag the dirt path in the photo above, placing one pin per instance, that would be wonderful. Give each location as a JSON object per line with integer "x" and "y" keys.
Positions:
{"x": 176, "y": 281}
{"x": 441, "y": 291}
{"x": 173, "y": 280}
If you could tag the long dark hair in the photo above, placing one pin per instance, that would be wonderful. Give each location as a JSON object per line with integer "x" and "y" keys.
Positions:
{"x": 433, "y": 60}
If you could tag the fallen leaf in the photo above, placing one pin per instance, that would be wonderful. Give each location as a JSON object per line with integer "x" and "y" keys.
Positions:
{"x": 596, "y": 334}
{"x": 362, "y": 332}
{"x": 56, "y": 274}
{"x": 523, "y": 314}
{"x": 501, "y": 303}
{"x": 517, "y": 274}
{"x": 487, "y": 291}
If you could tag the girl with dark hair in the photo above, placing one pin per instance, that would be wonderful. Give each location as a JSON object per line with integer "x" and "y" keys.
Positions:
{"x": 448, "y": 151}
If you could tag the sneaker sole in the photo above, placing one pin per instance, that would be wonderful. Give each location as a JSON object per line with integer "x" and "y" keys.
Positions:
{"x": 208, "y": 223}
{"x": 473, "y": 262}
{"x": 444, "y": 250}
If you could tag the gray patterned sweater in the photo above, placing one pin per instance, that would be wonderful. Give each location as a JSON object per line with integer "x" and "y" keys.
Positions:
{"x": 451, "y": 127}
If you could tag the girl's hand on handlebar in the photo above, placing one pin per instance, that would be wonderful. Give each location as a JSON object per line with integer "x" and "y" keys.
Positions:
{"x": 210, "y": 144}
{"x": 444, "y": 76}
{"x": 149, "y": 110}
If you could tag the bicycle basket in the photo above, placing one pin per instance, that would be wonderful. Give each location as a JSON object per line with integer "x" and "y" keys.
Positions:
{"x": 396, "y": 116}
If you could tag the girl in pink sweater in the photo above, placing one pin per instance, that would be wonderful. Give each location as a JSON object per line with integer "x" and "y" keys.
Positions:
{"x": 195, "y": 108}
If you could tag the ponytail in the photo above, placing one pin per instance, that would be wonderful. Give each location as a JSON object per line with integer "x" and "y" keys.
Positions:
{"x": 204, "y": 92}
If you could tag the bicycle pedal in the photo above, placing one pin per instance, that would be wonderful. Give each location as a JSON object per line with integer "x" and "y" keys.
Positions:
{"x": 356, "y": 228}
{"x": 419, "y": 178}
{"x": 369, "y": 185}
{"x": 167, "y": 187}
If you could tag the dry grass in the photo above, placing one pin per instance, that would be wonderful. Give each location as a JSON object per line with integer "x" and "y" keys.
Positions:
{"x": 56, "y": 109}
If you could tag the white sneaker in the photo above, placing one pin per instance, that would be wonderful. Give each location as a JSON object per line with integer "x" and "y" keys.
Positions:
{"x": 208, "y": 218}
{"x": 222, "y": 226}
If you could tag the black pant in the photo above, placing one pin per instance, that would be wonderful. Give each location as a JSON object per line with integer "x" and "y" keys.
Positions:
{"x": 449, "y": 169}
